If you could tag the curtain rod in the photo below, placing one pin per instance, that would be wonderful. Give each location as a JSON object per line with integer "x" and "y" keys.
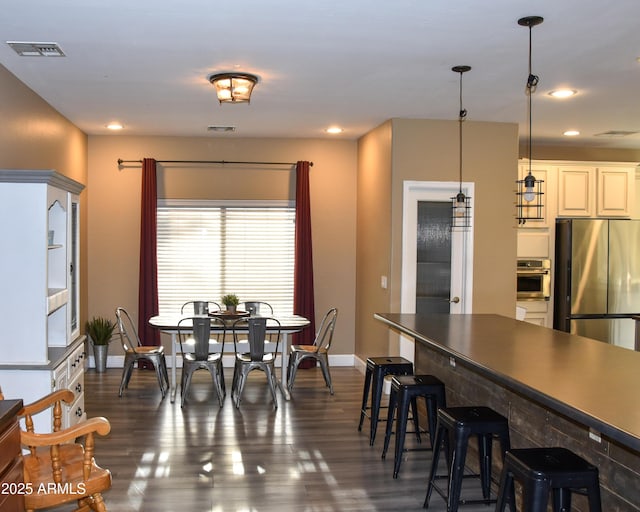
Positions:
{"x": 121, "y": 161}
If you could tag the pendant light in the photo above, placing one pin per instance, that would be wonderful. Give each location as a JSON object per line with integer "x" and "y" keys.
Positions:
{"x": 460, "y": 204}
{"x": 529, "y": 194}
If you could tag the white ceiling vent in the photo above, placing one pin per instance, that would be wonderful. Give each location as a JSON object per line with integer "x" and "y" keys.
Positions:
{"x": 615, "y": 133}
{"x": 26, "y": 49}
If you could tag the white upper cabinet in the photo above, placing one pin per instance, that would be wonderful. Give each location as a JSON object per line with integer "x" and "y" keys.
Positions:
{"x": 595, "y": 190}
{"x": 616, "y": 191}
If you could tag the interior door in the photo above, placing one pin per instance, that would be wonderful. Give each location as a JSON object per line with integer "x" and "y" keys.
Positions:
{"x": 433, "y": 257}
{"x": 437, "y": 262}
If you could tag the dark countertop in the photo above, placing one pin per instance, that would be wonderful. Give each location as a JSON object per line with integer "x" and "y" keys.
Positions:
{"x": 8, "y": 411}
{"x": 586, "y": 380}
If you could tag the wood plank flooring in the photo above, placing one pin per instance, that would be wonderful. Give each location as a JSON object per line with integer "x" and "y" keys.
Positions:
{"x": 305, "y": 456}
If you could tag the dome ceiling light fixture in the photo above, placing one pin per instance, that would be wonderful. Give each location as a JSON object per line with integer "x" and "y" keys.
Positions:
{"x": 529, "y": 193}
{"x": 233, "y": 87}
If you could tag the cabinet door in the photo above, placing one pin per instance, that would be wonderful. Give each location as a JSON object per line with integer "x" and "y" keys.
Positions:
{"x": 615, "y": 192}
{"x": 576, "y": 191}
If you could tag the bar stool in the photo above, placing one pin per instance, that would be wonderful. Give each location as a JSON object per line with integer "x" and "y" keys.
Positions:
{"x": 405, "y": 389}
{"x": 458, "y": 424}
{"x": 541, "y": 470}
{"x": 377, "y": 369}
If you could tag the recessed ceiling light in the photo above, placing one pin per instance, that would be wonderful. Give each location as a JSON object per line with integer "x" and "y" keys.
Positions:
{"x": 334, "y": 130}
{"x": 115, "y": 126}
{"x": 571, "y": 133}
{"x": 218, "y": 128}
{"x": 563, "y": 93}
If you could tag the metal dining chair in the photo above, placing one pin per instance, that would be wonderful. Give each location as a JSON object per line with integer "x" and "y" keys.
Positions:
{"x": 258, "y": 358}
{"x": 200, "y": 307}
{"x": 134, "y": 351}
{"x": 195, "y": 336}
{"x": 318, "y": 350}
{"x": 257, "y": 308}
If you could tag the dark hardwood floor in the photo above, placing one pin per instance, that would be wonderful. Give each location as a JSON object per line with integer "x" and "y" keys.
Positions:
{"x": 305, "y": 456}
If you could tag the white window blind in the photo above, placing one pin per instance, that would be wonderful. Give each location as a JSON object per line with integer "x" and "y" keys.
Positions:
{"x": 206, "y": 250}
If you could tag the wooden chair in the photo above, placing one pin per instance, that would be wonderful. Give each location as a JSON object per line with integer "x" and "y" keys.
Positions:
{"x": 57, "y": 468}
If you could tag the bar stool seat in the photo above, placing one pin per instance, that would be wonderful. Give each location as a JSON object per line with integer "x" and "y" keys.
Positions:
{"x": 405, "y": 389}
{"x": 542, "y": 470}
{"x": 458, "y": 424}
{"x": 377, "y": 369}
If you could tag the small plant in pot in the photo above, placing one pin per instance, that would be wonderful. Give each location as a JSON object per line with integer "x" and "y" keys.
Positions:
{"x": 230, "y": 302}
{"x": 99, "y": 330}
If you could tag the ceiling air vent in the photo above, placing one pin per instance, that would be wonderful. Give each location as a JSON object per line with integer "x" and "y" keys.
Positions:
{"x": 615, "y": 133}
{"x": 25, "y": 49}
{"x": 213, "y": 128}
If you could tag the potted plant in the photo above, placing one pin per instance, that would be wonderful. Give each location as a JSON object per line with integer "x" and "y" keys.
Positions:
{"x": 230, "y": 302}
{"x": 99, "y": 330}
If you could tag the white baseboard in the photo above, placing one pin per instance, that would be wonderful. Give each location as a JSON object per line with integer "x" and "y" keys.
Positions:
{"x": 227, "y": 361}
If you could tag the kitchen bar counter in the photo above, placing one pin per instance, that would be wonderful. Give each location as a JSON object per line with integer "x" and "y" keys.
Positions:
{"x": 555, "y": 388}
{"x": 590, "y": 382}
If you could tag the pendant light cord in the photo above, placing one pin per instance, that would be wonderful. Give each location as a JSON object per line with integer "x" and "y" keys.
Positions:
{"x": 532, "y": 83}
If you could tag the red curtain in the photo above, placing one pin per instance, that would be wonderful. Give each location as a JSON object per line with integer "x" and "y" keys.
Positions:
{"x": 148, "y": 289}
{"x": 303, "y": 302}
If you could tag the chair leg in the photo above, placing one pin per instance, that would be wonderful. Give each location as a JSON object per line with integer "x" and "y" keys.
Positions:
{"x": 160, "y": 375}
{"x": 271, "y": 379}
{"x": 293, "y": 369}
{"x": 215, "y": 377}
{"x": 126, "y": 375}
{"x": 185, "y": 388}
{"x": 324, "y": 365}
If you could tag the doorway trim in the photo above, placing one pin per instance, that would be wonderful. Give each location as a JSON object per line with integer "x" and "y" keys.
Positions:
{"x": 461, "y": 243}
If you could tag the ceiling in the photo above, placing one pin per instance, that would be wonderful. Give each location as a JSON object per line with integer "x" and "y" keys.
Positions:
{"x": 354, "y": 63}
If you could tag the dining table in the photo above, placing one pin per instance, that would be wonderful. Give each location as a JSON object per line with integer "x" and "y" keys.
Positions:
{"x": 289, "y": 324}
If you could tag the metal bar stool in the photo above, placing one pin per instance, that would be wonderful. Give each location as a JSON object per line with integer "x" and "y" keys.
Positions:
{"x": 458, "y": 424}
{"x": 542, "y": 470}
{"x": 377, "y": 369}
{"x": 405, "y": 389}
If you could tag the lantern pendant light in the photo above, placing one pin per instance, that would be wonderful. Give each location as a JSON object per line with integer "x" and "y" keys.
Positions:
{"x": 460, "y": 204}
{"x": 529, "y": 194}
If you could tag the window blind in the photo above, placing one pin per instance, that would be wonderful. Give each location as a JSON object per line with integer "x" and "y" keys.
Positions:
{"x": 206, "y": 250}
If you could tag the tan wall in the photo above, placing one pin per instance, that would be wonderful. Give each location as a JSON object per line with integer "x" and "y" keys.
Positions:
{"x": 35, "y": 136}
{"x": 373, "y": 257}
{"x": 427, "y": 150}
{"x": 114, "y": 219}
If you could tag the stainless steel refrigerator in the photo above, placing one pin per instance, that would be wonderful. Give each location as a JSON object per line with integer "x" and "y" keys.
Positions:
{"x": 597, "y": 278}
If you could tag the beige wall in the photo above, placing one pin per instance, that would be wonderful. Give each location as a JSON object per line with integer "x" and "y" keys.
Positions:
{"x": 35, "y": 136}
{"x": 114, "y": 218}
{"x": 427, "y": 150}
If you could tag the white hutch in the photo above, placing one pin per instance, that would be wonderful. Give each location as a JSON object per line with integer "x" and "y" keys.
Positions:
{"x": 41, "y": 349}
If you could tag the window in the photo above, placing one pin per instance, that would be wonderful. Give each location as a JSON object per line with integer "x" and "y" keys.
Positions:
{"x": 207, "y": 249}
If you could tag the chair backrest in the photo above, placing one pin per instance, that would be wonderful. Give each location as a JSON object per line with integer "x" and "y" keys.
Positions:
{"x": 200, "y": 307}
{"x": 195, "y": 335}
{"x": 256, "y": 308}
{"x": 127, "y": 329}
{"x": 324, "y": 336}
{"x": 256, "y": 327}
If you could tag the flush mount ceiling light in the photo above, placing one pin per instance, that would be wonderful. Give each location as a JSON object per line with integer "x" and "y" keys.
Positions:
{"x": 460, "y": 204}
{"x": 563, "y": 93}
{"x": 115, "y": 126}
{"x": 334, "y": 130}
{"x": 529, "y": 193}
{"x": 233, "y": 87}
{"x": 571, "y": 133}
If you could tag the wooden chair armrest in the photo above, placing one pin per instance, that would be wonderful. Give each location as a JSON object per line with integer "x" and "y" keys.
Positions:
{"x": 64, "y": 395}
{"x": 98, "y": 424}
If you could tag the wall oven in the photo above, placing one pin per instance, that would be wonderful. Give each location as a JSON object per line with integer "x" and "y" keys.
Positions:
{"x": 533, "y": 279}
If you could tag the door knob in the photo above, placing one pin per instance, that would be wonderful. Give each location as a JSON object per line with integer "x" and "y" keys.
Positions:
{"x": 455, "y": 300}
